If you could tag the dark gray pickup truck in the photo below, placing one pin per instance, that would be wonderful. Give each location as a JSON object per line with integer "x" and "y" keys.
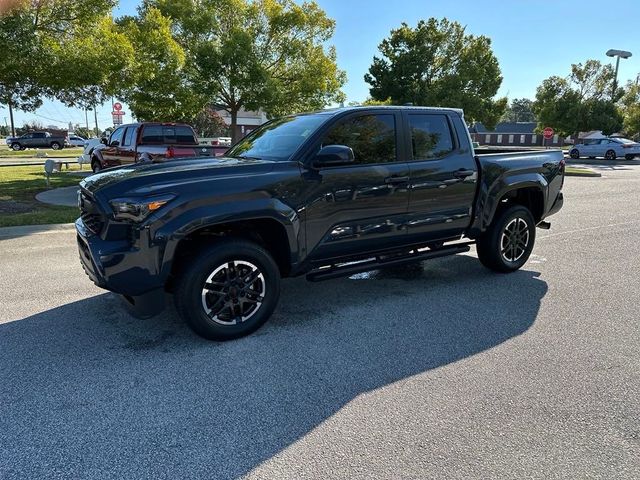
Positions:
{"x": 37, "y": 140}
{"x": 322, "y": 194}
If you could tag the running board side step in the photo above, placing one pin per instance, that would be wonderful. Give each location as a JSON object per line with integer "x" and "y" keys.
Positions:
{"x": 348, "y": 269}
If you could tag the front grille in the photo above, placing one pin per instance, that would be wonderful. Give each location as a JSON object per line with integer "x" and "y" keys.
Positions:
{"x": 90, "y": 213}
{"x": 93, "y": 222}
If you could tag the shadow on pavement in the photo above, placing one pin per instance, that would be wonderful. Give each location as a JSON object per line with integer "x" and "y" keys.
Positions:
{"x": 89, "y": 391}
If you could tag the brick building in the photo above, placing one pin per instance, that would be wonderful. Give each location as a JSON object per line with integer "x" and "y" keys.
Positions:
{"x": 512, "y": 134}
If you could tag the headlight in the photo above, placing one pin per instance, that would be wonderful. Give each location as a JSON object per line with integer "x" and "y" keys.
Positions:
{"x": 137, "y": 209}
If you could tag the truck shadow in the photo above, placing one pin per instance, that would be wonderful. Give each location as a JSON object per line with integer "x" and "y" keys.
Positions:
{"x": 86, "y": 388}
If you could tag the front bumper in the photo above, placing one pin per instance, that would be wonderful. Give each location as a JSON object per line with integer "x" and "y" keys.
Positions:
{"x": 117, "y": 267}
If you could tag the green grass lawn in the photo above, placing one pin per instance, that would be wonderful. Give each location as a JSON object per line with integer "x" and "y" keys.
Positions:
{"x": 18, "y": 188}
{"x": 74, "y": 152}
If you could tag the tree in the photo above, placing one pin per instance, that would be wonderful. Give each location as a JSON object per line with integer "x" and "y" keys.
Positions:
{"x": 260, "y": 54}
{"x": 159, "y": 88}
{"x": 583, "y": 101}
{"x": 519, "y": 110}
{"x": 34, "y": 40}
{"x": 630, "y": 105}
{"x": 208, "y": 123}
{"x": 101, "y": 59}
{"x": 438, "y": 64}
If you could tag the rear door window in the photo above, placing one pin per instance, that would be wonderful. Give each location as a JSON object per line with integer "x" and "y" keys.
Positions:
{"x": 128, "y": 137}
{"x": 431, "y": 136}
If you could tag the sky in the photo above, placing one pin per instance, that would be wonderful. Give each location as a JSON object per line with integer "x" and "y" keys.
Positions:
{"x": 531, "y": 39}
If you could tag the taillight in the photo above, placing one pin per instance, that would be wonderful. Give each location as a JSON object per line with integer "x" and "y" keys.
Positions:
{"x": 629, "y": 145}
{"x": 170, "y": 152}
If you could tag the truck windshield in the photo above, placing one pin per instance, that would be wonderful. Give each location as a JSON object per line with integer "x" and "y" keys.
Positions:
{"x": 279, "y": 139}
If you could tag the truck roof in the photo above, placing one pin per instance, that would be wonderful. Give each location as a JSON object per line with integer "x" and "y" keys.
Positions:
{"x": 335, "y": 111}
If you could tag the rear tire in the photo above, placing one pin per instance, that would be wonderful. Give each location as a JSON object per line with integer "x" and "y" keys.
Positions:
{"x": 575, "y": 154}
{"x": 96, "y": 166}
{"x": 629, "y": 157}
{"x": 228, "y": 290}
{"x": 55, "y": 146}
{"x": 508, "y": 242}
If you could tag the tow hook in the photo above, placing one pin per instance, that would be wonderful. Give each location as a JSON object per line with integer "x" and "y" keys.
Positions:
{"x": 544, "y": 225}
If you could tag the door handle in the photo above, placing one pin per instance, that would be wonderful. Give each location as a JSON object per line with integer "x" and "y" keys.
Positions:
{"x": 462, "y": 173}
{"x": 394, "y": 179}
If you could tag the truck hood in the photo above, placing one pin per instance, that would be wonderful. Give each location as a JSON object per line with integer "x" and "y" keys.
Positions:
{"x": 145, "y": 178}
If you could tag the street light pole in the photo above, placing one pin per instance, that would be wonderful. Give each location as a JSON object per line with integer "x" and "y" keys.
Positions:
{"x": 618, "y": 54}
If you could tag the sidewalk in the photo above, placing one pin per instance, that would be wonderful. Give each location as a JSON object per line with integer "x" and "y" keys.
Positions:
{"x": 65, "y": 196}
{"x": 25, "y": 230}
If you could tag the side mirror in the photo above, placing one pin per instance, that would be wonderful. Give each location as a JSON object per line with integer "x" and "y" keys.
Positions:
{"x": 103, "y": 140}
{"x": 333, "y": 155}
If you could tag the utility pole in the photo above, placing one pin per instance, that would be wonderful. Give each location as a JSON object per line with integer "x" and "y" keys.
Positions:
{"x": 86, "y": 119}
{"x": 13, "y": 128}
{"x": 95, "y": 116}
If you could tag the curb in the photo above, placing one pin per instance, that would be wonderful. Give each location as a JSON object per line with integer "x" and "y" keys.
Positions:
{"x": 24, "y": 230}
{"x": 582, "y": 172}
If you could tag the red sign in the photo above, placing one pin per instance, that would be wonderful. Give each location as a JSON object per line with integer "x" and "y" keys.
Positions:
{"x": 117, "y": 106}
{"x": 548, "y": 133}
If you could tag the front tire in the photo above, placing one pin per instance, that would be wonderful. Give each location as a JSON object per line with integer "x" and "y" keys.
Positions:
{"x": 610, "y": 155}
{"x": 16, "y": 147}
{"x": 508, "y": 242}
{"x": 96, "y": 166}
{"x": 229, "y": 290}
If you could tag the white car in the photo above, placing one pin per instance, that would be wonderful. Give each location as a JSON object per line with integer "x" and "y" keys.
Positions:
{"x": 76, "y": 141}
{"x": 89, "y": 147}
{"x": 609, "y": 148}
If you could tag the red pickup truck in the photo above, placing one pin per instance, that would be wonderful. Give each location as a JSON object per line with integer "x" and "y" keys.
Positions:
{"x": 150, "y": 142}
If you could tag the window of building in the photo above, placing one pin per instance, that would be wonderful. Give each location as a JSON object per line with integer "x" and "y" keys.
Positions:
{"x": 371, "y": 137}
{"x": 499, "y": 139}
{"x": 522, "y": 138}
{"x": 533, "y": 139}
{"x": 487, "y": 139}
{"x": 510, "y": 138}
{"x": 430, "y": 136}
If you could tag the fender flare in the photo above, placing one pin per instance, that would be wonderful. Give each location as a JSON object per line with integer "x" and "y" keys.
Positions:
{"x": 171, "y": 233}
{"x": 490, "y": 198}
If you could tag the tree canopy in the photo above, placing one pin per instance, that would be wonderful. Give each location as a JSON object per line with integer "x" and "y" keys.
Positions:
{"x": 439, "y": 64}
{"x": 519, "y": 110}
{"x": 48, "y": 50}
{"x": 583, "y": 101}
{"x": 630, "y": 105}
{"x": 261, "y": 54}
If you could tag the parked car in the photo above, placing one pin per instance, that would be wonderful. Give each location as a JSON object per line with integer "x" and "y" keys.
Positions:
{"x": 36, "y": 140}
{"x": 76, "y": 141}
{"x": 326, "y": 194}
{"x": 89, "y": 146}
{"x": 609, "y": 148}
{"x": 148, "y": 142}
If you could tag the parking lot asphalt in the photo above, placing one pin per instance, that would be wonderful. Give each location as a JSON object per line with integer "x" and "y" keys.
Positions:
{"x": 443, "y": 370}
